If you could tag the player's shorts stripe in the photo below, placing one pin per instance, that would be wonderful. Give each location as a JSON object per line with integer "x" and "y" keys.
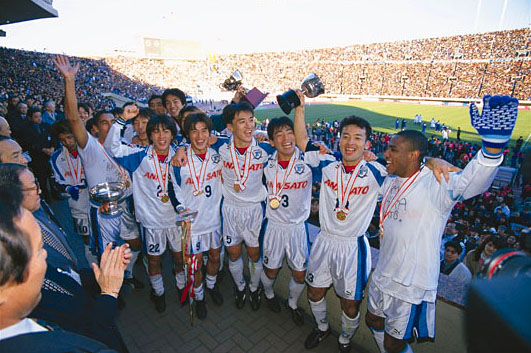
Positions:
{"x": 261, "y": 236}
{"x": 418, "y": 320}
{"x": 307, "y": 237}
{"x": 362, "y": 269}
{"x": 95, "y": 240}
{"x": 221, "y": 215}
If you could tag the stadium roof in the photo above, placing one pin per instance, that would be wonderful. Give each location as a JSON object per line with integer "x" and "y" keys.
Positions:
{"x": 12, "y": 11}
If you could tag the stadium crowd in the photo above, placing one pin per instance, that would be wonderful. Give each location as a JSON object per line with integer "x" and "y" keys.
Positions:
{"x": 53, "y": 112}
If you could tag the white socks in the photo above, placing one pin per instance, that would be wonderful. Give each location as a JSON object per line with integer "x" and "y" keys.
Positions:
{"x": 157, "y": 284}
{"x": 199, "y": 293}
{"x": 295, "y": 291}
{"x": 379, "y": 339}
{"x": 268, "y": 285}
{"x": 319, "y": 313}
{"x": 255, "y": 271}
{"x": 236, "y": 270}
{"x": 211, "y": 281}
{"x": 180, "y": 280}
{"x": 348, "y": 327}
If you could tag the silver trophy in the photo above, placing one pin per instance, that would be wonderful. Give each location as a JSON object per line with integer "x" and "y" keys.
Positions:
{"x": 311, "y": 86}
{"x": 252, "y": 96}
{"x": 107, "y": 195}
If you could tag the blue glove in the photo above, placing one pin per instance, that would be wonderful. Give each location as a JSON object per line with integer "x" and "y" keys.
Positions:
{"x": 496, "y": 122}
{"x": 73, "y": 191}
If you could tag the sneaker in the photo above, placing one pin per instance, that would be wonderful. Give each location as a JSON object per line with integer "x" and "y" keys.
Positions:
{"x": 239, "y": 296}
{"x": 273, "y": 304}
{"x": 134, "y": 283}
{"x": 215, "y": 294}
{"x": 315, "y": 337}
{"x": 159, "y": 301}
{"x": 344, "y": 347}
{"x": 297, "y": 315}
{"x": 200, "y": 309}
{"x": 254, "y": 298}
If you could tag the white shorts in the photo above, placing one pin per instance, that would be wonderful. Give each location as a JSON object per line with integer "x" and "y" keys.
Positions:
{"x": 343, "y": 262}
{"x": 205, "y": 242}
{"x": 156, "y": 240}
{"x": 242, "y": 224}
{"x": 289, "y": 240}
{"x": 129, "y": 228}
{"x": 402, "y": 319}
{"x": 81, "y": 225}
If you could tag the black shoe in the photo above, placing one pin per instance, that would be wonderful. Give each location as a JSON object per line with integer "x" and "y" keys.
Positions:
{"x": 315, "y": 337}
{"x": 216, "y": 296}
{"x": 159, "y": 301}
{"x": 254, "y": 298}
{"x": 344, "y": 347}
{"x": 239, "y": 296}
{"x": 200, "y": 309}
{"x": 297, "y": 315}
{"x": 135, "y": 283}
{"x": 273, "y": 304}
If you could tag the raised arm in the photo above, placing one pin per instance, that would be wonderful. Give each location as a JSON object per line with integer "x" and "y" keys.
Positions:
{"x": 76, "y": 124}
{"x": 301, "y": 135}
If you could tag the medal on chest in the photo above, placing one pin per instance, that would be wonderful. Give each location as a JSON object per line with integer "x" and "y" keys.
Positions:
{"x": 344, "y": 191}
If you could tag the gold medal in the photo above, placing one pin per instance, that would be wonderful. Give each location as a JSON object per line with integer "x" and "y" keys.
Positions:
{"x": 165, "y": 198}
{"x": 341, "y": 215}
{"x": 237, "y": 187}
{"x": 199, "y": 193}
{"x": 381, "y": 233}
{"x": 274, "y": 203}
{"x": 127, "y": 183}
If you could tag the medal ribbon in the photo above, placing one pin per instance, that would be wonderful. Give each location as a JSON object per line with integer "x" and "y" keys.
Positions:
{"x": 241, "y": 177}
{"x": 164, "y": 177}
{"x": 198, "y": 180}
{"x": 276, "y": 191}
{"x": 73, "y": 170}
{"x": 120, "y": 169}
{"x": 342, "y": 200}
{"x": 384, "y": 213}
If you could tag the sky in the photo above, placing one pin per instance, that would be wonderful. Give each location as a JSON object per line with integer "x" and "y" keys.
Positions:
{"x": 106, "y": 27}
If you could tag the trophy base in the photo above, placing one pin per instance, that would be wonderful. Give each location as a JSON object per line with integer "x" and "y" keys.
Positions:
{"x": 288, "y": 100}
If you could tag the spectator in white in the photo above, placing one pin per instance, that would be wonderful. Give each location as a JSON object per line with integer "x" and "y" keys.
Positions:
{"x": 49, "y": 115}
{"x": 504, "y": 209}
{"x": 5, "y": 130}
{"x": 452, "y": 266}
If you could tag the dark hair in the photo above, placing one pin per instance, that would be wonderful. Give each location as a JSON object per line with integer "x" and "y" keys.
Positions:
{"x": 98, "y": 115}
{"x": 118, "y": 110}
{"x": 61, "y": 127}
{"x": 234, "y": 109}
{"x": 161, "y": 120}
{"x": 498, "y": 242}
{"x": 187, "y": 109}
{"x": 125, "y": 105}
{"x": 15, "y": 247}
{"x": 145, "y": 113}
{"x": 89, "y": 124}
{"x": 193, "y": 119}
{"x": 155, "y": 96}
{"x": 454, "y": 245}
{"x": 359, "y": 122}
{"x": 174, "y": 92}
{"x": 417, "y": 142}
{"x": 10, "y": 176}
{"x": 277, "y": 123}
{"x": 84, "y": 106}
{"x": 32, "y": 111}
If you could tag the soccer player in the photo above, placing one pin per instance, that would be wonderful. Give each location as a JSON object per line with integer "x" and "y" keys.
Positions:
{"x": 340, "y": 255}
{"x": 289, "y": 187}
{"x": 70, "y": 177}
{"x": 139, "y": 125}
{"x": 99, "y": 167}
{"x": 174, "y": 100}
{"x": 199, "y": 186}
{"x": 152, "y": 192}
{"x": 414, "y": 211}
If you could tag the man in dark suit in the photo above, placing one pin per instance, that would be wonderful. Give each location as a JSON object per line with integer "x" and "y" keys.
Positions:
{"x": 74, "y": 299}
{"x": 22, "y": 271}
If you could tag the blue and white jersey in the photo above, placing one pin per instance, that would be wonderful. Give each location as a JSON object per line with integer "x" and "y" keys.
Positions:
{"x": 362, "y": 198}
{"x": 68, "y": 170}
{"x": 255, "y": 190}
{"x": 100, "y": 167}
{"x": 296, "y": 193}
{"x": 409, "y": 263}
{"x": 207, "y": 197}
{"x": 152, "y": 180}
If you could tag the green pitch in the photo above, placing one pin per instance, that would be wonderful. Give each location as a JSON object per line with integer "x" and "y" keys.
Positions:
{"x": 382, "y": 117}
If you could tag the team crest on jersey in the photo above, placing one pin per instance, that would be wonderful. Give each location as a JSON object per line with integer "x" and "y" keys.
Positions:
{"x": 257, "y": 154}
{"x": 215, "y": 159}
{"x": 363, "y": 171}
{"x": 299, "y": 168}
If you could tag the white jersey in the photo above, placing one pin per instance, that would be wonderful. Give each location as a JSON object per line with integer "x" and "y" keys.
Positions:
{"x": 100, "y": 167}
{"x": 296, "y": 191}
{"x": 208, "y": 181}
{"x": 361, "y": 199}
{"x": 152, "y": 180}
{"x": 255, "y": 190}
{"x": 408, "y": 265}
{"x": 68, "y": 171}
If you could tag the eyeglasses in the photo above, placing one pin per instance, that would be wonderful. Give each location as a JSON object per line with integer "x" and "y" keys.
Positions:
{"x": 36, "y": 188}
